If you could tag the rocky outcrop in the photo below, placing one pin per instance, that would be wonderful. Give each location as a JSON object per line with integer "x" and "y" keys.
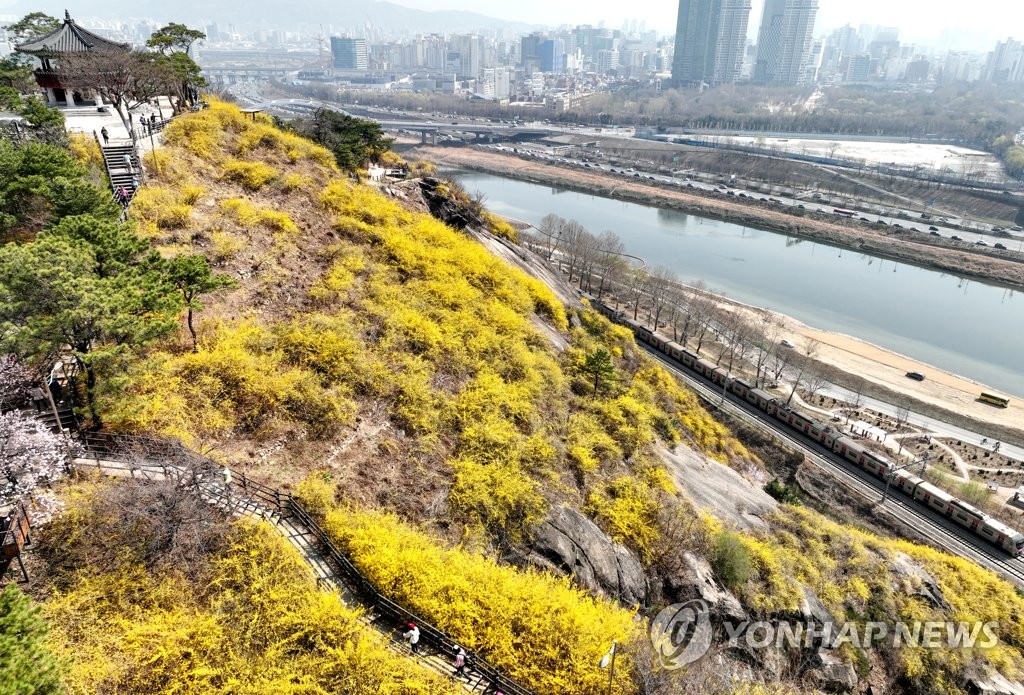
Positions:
{"x": 717, "y": 488}
{"x": 572, "y": 544}
{"x": 813, "y": 611}
{"x": 914, "y": 580}
{"x": 444, "y": 207}
{"x": 833, "y": 674}
{"x": 696, "y": 580}
{"x": 991, "y": 683}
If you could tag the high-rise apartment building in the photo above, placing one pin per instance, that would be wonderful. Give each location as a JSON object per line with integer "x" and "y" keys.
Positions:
{"x": 349, "y": 54}
{"x": 1006, "y": 62}
{"x": 710, "y": 36}
{"x": 784, "y": 42}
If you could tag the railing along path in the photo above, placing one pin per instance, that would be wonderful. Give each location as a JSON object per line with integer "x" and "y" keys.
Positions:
{"x": 157, "y": 459}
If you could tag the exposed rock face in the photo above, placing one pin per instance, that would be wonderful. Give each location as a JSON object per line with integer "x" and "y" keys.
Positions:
{"x": 833, "y": 674}
{"x": 570, "y": 543}
{"x": 812, "y": 610}
{"x": 914, "y": 580}
{"x": 991, "y": 683}
{"x": 717, "y": 488}
{"x": 697, "y": 580}
{"x": 444, "y": 208}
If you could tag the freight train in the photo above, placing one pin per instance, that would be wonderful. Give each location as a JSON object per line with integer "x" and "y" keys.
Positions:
{"x": 966, "y": 515}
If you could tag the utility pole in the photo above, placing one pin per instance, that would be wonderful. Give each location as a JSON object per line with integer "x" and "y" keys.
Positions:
{"x": 891, "y": 474}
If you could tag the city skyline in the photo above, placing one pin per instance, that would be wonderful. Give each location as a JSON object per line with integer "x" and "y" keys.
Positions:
{"x": 919, "y": 21}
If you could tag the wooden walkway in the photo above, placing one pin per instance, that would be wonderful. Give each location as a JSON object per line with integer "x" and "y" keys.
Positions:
{"x": 239, "y": 496}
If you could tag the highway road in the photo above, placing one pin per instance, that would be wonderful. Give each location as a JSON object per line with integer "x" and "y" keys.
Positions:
{"x": 938, "y": 531}
{"x": 806, "y": 200}
{"x": 969, "y": 231}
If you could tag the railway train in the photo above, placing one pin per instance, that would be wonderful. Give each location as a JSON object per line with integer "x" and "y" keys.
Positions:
{"x": 966, "y": 515}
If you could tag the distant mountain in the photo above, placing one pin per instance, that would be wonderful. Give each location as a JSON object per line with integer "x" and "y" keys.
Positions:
{"x": 359, "y": 18}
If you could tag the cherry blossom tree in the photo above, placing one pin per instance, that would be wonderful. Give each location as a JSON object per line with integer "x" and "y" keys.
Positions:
{"x": 32, "y": 458}
{"x": 14, "y": 381}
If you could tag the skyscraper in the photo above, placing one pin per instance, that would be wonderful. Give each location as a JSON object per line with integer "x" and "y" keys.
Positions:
{"x": 349, "y": 54}
{"x": 710, "y": 35}
{"x": 784, "y": 42}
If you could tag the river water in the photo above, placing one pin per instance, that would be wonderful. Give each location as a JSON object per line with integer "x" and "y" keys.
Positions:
{"x": 962, "y": 326}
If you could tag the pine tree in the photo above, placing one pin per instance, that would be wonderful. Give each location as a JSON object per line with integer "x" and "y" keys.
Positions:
{"x": 27, "y": 666}
{"x": 599, "y": 365}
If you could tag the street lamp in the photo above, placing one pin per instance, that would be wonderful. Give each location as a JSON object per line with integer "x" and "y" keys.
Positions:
{"x": 609, "y": 660}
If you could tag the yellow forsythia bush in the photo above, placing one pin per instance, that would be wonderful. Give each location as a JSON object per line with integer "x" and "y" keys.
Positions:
{"x": 259, "y": 625}
{"x": 238, "y": 379}
{"x": 251, "y": 175}
{"x": 534, "y": 626}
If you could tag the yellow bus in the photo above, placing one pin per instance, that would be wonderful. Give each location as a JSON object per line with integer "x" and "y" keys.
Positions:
{"x": 991, "y": 399}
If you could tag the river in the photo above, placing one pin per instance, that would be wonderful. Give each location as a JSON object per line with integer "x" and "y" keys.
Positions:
{"x": 962, "y": 326}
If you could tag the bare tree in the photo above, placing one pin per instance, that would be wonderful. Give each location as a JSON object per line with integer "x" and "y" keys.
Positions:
{"x": 572, "y": 245}
{"x": 125, "y": 79}
{"x": 902, "y": 418}
{"x": 814, "y": 381}
{"x": 805, "y": 366}
{"x": 764, "y": 342}
{"x": 637, "y": 283}
{"x": 550, "y": 227}
{"x": 705, "y": 315}
{"x": 660, "y": 290}
{"x": 610, "y": 264}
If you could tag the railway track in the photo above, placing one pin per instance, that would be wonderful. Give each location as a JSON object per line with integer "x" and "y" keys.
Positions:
{"x": 933, "y": 528}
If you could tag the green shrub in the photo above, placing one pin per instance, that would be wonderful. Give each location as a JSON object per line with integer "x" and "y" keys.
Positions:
{"x": 731, "y": 560}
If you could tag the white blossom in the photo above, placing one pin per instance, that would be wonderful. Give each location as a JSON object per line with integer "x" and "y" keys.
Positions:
{"x": 32, "y": 458}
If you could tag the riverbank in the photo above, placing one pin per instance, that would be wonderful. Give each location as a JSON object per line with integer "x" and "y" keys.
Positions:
{"x": 888, "y": 243}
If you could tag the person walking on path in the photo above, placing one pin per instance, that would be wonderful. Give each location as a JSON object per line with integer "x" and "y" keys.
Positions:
{"x": 412, "y": 636}
{"x": 38, "y": 397}
{"x": 106, "y": 136}
{"x": 460, "y": 662}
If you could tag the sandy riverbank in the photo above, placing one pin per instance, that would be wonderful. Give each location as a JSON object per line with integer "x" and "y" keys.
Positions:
{"x": 941, "y": 389}
{"x": 897, "y": 244}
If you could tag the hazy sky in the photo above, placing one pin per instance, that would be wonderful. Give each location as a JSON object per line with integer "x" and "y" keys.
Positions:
{"x": 971, "y": 24}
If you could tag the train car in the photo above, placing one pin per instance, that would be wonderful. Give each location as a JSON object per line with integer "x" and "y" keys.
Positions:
{"x": 760, "y": 398}
{"x": 674, "y": 350}
{"x": 688, "y": 358}
{"x": 931, "y": 496}
{"x": 907, "y": 482}
{"x": 739, "y": 387}
{"x": 967, "y": 514}
{"x": 824, "y": 433}
{"x": 997, "y": 532}
{"x": 923, "y": 492}
{"x": 875, "y": 464}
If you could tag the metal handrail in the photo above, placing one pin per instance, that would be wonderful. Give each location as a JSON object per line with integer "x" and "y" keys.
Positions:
{"x": 287, "y": 506}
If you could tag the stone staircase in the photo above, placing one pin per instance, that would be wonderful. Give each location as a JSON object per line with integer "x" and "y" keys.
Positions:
{"x": 123, "y": 172}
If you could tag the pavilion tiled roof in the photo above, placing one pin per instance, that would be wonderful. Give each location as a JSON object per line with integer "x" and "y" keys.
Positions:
{"x": 68, "y": 38}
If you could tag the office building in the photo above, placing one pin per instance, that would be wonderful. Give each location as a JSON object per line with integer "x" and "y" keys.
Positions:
{"x": 784, "y": 42}
{"x": 710, "y": 37}
{"x": 349, "y": 54}
{"x": 552, "y": 55}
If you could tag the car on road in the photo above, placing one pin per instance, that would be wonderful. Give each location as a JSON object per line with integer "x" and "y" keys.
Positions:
{"x": 955, "y": 238}
{"x": 934, "y": 233}
{"x": 981, "y": 242}
{"x": 916, "y": 376}
{"x": 999, "y": 246}
{"x": 933, "y": 229}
